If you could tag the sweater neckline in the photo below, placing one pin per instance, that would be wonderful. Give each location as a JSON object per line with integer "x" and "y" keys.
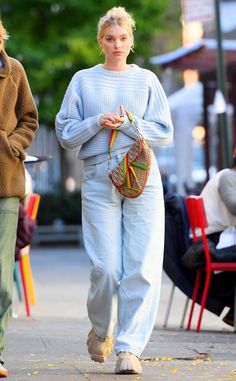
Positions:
{"x": 116, "y": 73}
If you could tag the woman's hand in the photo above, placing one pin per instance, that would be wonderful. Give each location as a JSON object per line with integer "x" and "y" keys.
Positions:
{"x": 112, "y": 120}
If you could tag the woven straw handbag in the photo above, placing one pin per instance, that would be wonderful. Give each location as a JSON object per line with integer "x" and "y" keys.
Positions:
{"x": 131, "y": 174}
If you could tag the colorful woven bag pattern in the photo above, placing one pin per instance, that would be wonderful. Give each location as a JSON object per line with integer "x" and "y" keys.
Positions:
{"x": 131, "y": 174}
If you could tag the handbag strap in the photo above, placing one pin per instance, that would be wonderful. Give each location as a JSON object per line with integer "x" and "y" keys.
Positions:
{"x": 115, "y": 132}
{"x": 112, "y": 139}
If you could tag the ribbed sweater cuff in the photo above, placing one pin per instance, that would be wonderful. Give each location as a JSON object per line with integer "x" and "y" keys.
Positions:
{"x": 128, "y": 129}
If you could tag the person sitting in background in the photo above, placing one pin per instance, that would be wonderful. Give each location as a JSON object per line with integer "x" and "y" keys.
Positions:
{"x": 219, "y": 196}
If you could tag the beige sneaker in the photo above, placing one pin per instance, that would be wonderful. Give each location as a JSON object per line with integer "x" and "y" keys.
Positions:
{"x": 3, "y": 371}
{"x": 127, "y": 363}
{"x": 99, "y": 348}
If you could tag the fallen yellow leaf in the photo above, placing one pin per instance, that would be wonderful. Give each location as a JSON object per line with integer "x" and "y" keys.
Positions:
{"x": 166, "y": 358}
{"x": 174, "y": 370}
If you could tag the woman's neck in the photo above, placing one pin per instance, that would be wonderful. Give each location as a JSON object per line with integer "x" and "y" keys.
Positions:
{"x": 119, "y": 66}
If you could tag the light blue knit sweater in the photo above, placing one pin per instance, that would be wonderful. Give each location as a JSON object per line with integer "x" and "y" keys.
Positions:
{"x": 95, "y": 91}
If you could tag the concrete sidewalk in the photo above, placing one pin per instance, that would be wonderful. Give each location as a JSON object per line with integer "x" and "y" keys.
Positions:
{"x": 51, "y": 344}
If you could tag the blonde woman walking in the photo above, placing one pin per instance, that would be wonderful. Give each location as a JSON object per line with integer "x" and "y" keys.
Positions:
{"x": 123, "y": 237}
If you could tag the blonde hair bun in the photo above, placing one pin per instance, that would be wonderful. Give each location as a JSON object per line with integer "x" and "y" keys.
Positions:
{"x": 116, "y": 16}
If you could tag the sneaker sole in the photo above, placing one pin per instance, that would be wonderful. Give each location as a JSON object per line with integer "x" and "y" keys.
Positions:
{"x": 127, "y": 372}
{"x": 4, "y": 375}
{"x": 98, "y": 358}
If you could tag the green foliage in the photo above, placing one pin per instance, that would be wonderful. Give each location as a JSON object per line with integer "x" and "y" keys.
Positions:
{"x": 169, "y": 36}
{"x": 54, "y": 39}
{"x": 62, "y": 206}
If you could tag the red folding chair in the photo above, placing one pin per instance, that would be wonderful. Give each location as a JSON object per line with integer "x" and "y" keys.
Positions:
{"x": 198, "y": 223}
{"x": 25, "y": 266}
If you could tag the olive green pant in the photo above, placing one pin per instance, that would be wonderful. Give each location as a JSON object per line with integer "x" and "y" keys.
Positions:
{"x": 9, "y": 208}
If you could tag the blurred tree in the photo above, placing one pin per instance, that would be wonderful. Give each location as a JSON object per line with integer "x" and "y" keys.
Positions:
{"x": 53, "y": 39}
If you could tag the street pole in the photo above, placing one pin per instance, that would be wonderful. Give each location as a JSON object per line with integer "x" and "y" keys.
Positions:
{"x": 221, "y": 84}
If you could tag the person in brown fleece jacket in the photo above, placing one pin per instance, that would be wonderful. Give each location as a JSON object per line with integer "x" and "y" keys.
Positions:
{"x": 18, "y": 123}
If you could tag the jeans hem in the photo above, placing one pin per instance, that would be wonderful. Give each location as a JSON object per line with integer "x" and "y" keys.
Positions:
{"x": 134, "y": 351}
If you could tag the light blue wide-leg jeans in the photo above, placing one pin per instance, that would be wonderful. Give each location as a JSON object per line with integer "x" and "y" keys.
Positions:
{"x": 124, "y": 240}
{"x": 9, "y": 208}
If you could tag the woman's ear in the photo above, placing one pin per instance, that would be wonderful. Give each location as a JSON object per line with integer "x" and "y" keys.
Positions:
{"x": 100, "y": 45}
{"x": 100, "y": 42}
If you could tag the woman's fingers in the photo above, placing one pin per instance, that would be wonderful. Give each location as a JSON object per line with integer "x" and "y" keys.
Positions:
{"x": 122, "y": 110}
{"x": 111, "y": 125}
{"x": 111, "y": 120}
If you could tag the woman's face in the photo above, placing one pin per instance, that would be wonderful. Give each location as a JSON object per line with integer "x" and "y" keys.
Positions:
{"x": 116, "y": 43}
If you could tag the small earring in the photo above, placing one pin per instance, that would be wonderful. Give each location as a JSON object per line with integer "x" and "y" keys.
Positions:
{"x": 132, "y": 48}
{"x": 101, "y": 52}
